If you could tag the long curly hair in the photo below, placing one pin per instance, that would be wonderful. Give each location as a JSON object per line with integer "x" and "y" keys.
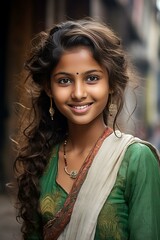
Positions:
{"x": 40, "y": 133}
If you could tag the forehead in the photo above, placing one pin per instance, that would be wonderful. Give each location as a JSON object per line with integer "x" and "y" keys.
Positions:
{"x": 77, "y": 59}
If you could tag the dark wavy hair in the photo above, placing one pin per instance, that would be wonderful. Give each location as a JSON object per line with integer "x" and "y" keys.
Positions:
{"x": 40, "y": 133}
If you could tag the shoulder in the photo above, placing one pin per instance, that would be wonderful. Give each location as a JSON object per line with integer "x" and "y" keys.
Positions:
{"x": 136, "y": 152}
{"x": 142, "y": 151}
{"x": 142, "y": 161}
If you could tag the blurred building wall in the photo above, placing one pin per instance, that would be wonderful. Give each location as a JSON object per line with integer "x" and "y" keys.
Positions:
{"x": 135, "y": 21}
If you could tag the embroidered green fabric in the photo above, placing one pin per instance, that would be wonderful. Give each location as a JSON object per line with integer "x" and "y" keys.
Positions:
{"x": 132, "y": 210}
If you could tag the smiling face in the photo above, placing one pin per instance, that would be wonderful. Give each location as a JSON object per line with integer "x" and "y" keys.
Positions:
{"x": 80, "y": 87}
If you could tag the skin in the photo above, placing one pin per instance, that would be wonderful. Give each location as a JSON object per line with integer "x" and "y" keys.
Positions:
{"x": 80, "y": 90}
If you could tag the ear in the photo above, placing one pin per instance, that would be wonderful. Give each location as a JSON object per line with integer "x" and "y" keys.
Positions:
{"x": 111, "y": 91}
{"x": 48, "y": 90}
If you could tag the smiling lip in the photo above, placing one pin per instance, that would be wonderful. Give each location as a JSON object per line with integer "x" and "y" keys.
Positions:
{"x": 80, "y": 108}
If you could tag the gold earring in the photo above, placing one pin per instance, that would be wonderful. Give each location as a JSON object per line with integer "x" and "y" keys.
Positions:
{"x": 51, "y": 110}
{"x": 112, "y": 107}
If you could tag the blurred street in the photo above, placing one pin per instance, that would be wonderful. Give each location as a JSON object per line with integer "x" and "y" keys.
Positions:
{"x": 9, "y": 228}
{"x": 136, "y": 22}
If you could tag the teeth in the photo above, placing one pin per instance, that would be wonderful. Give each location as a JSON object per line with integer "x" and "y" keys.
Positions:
{"x": 80, "y": 107}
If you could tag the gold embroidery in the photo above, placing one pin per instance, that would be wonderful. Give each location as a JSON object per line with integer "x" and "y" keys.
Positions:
{"x": 50, "y": 204}
{"x": 108, "y": 223}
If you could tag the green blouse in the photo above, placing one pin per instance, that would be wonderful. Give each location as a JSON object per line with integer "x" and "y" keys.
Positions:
{"x": 132, "y": 210}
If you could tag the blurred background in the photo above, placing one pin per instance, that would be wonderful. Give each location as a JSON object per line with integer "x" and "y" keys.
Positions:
{"x": 137, "y": 22}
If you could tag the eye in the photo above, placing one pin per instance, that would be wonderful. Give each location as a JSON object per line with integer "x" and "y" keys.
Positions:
{"x": 64, "y": 81}
{"x": 92, "y": 78}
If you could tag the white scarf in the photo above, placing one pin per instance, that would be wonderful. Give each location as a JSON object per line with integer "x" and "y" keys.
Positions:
{"x": 97, "y": 186}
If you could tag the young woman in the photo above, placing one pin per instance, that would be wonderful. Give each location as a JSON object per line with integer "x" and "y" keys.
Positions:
{"x": 77, "y": 177}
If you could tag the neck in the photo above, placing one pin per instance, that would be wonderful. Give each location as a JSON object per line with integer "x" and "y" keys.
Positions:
{"x": 83, "y": 136}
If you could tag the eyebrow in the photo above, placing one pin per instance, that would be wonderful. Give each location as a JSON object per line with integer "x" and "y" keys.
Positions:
{"x": 69, "y": 74}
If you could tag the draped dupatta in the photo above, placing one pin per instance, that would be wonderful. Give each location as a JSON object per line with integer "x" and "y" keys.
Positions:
{"x": 78, "y": 217}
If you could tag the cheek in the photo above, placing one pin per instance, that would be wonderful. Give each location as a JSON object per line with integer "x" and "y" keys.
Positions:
{"x": 103, "y": 95}
{"x": 58, "y": 101}
{"x": 57, "y": 98}
{"x": 58, "y": 93}
{"x": 101, "y": 92}
{"x": 60, "y": 96}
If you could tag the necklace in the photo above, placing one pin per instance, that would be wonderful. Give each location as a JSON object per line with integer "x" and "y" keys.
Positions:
{"x": 73, "y": 174}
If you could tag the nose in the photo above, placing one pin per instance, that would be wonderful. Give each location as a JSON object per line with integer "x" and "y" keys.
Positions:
{"x": 79, "y": 91}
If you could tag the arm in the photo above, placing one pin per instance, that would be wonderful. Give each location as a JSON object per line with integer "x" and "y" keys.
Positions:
{"x": 143, "y": 193}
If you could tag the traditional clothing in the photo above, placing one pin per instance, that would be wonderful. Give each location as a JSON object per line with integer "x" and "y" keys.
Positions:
{"x": 115, "y": 196}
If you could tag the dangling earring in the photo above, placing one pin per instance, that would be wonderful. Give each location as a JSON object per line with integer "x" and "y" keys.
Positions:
{"x": 112, "y": 107}
{"x": 51, "y": 110}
